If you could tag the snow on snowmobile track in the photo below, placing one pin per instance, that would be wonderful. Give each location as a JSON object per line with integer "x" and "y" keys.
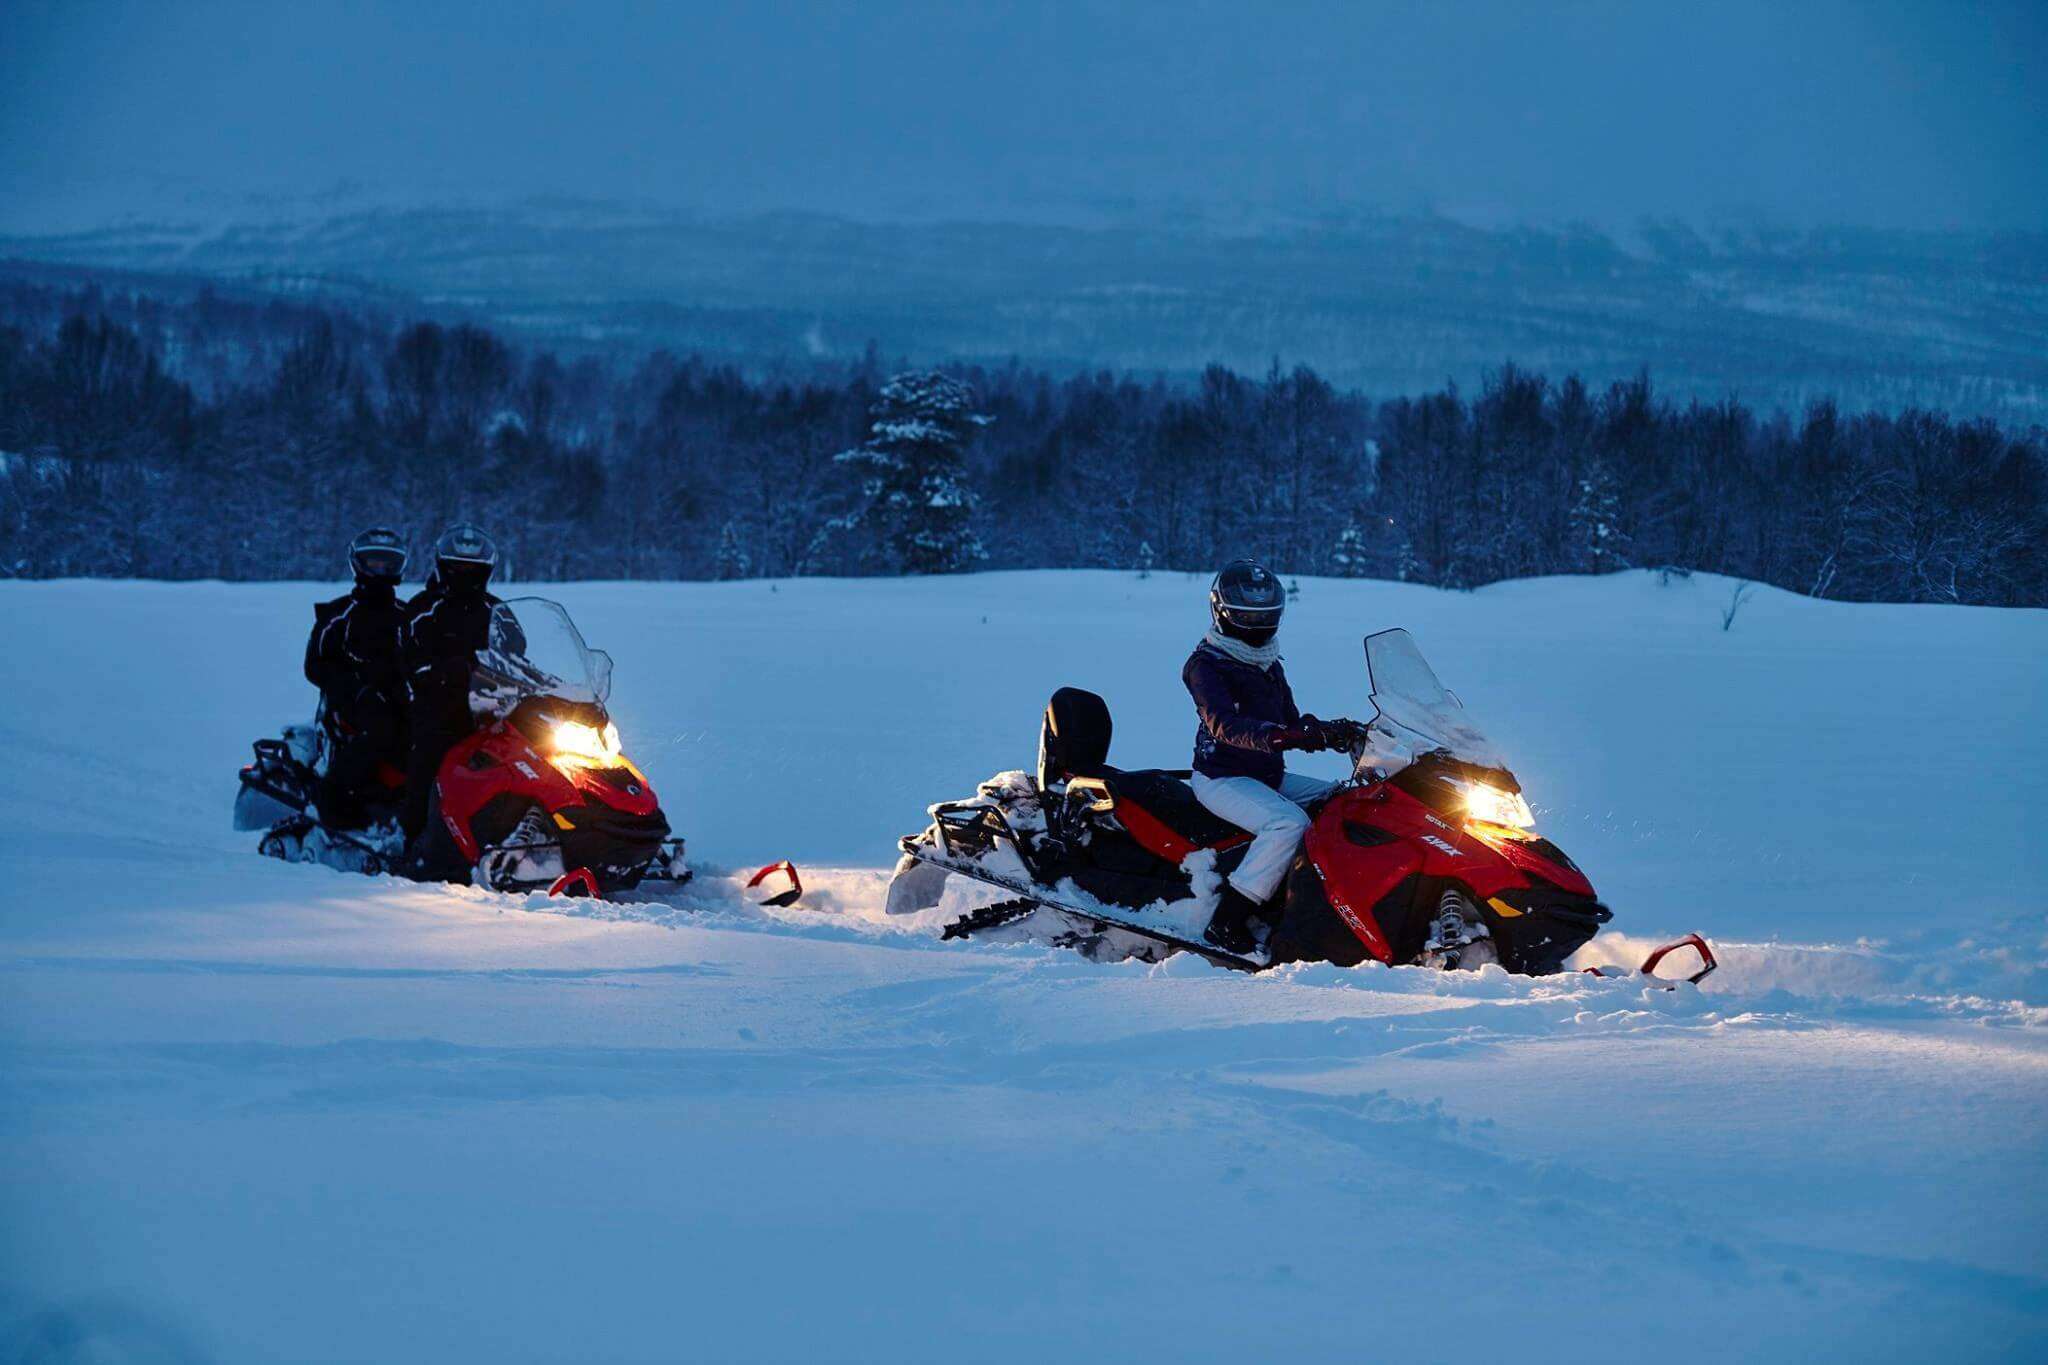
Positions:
{"x": 259, "y": 1111}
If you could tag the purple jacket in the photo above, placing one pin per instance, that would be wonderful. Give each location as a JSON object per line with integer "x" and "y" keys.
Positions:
{"x": 1242, "y": 710}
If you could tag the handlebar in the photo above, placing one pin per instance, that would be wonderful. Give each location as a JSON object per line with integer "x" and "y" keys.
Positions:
{"x": 1346, "y": 735}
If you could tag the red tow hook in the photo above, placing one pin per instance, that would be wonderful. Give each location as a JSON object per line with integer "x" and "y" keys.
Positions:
{"x": 1689, "y": 941}
{"x": 581, "y": 881}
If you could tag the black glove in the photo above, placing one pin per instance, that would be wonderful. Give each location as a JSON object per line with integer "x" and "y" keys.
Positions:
{"x": 1348, "y": 735}
{"x": 1306, "y": 735}
{"x": 1330, "y": 734}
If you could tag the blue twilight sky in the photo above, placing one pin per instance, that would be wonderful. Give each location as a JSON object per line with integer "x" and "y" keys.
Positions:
{"x": 1795, "y": 111}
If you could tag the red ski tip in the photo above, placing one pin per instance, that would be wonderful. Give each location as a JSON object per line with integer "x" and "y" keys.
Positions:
{"x": 1689, "y": 941}
{"x": 578, "y": 882}
{"x": 776, "y": 884}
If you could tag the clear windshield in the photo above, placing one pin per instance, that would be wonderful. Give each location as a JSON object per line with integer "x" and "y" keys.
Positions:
{"x": 1416, "y": 713}
{"x": 536, "y": 650}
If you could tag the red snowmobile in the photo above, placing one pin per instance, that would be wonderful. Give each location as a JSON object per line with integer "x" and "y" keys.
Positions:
{"x": 540, "y": 797}
{"x": 1426, "y": 855}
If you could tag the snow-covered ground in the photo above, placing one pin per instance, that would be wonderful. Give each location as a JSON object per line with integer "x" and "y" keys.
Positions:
{"x": 258, "y": 1112}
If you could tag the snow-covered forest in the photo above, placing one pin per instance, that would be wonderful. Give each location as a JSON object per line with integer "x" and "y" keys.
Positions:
{"x": 234, "y": 435}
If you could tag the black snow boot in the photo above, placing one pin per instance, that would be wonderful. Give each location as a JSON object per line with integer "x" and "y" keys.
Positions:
{"x": 1230, "y": 927}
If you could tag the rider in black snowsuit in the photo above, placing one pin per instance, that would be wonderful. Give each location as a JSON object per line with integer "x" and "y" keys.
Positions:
{"x": 445, "y": 625}
{"x": 354, "y": 657}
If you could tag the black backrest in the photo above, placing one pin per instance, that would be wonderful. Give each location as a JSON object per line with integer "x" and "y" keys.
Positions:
{"x": 1074, "y": 739}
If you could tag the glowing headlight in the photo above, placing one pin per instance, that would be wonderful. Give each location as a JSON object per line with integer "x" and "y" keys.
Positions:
{"x": 1495, "y": 806}
{"x": 576, "y": 744}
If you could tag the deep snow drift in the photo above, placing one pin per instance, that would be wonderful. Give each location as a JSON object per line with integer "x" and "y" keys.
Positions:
{"x": 254, "y": 1112}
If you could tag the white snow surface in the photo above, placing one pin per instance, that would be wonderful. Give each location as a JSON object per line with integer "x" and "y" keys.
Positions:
{"x": 259, "y": 1112}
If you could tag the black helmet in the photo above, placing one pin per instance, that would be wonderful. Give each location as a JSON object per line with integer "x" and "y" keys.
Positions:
{"x": 465, "y": 555}
{"x": 378, "y": 555}
{"x": 1245, "y": 601}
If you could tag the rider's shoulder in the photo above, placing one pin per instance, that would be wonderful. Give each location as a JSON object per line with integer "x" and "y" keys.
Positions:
{"x": 1207, "y": 661}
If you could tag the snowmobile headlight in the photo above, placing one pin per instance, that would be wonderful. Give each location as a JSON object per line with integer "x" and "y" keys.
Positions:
{"x": 1493, "y": 805}
{"x": 577, "y": 745}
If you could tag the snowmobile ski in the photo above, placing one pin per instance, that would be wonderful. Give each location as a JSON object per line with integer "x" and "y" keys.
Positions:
{"x": 1656, "y": 959}
{"x": 776, "y": 885}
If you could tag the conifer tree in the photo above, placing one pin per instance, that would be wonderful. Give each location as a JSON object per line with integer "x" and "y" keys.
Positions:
{"x": 732, "y": 555}
{"x": 1351, "y": 558}
{"x": 916, "y": 501}
{"x": 1597, "y": 536}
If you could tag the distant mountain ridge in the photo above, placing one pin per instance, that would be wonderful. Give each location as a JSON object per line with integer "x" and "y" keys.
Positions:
{"x": 1386, "y": 303}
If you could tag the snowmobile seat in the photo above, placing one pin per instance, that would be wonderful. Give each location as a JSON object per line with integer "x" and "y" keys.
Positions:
{"x": 1155, "y": 806}
{"x": 1073, "y": 740}
{"x": 1158, "y": 808}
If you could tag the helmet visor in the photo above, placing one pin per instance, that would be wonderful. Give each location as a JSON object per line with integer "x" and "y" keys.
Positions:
{"x": 378, "y": 561}
{"x": 1250, "y": 618}
{"x": 462, "y": 573}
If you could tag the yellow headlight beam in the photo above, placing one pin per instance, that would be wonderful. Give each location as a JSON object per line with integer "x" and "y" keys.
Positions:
{"x": 1490, "y": 805}
{"x": 576, "y": 745}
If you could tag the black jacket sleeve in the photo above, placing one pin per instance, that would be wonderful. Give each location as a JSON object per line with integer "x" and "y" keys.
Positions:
{"x": 443, "y": 632}
{"x": 415, "y": 651}
{"x": 1291, "y": 712}
{"x": 319, "y": 647}
{"x": 1220, "y": 713}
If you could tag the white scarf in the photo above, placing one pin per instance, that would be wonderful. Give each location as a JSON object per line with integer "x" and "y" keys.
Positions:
{"x": 1258, "y": 656}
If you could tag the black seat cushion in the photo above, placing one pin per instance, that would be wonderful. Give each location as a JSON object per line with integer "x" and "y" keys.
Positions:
{"x": 1169, "y": 800}
{"x": 1073, "y": 741}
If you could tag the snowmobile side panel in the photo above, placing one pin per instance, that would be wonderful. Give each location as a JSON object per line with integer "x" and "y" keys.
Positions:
{"x": 1310, "y": 929}
{"x": 1158, "y": 809}
{"x": 1360, "y": 870}
{"x": 1161, "y": 839}
{"x": 493, "y": 762}
{"x": 1153, "y": 833}
{"x": 1129, "y": 889}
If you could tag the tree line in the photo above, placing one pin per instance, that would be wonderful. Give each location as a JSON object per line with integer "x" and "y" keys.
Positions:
{"x": 240, "y": 438}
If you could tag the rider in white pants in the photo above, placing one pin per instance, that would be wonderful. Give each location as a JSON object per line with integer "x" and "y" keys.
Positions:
{"x": 1274, "y": 817}
{"x": 1247, "y": 720}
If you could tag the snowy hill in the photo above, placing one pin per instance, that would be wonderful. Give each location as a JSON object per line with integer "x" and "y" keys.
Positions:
{"x": 1386, "y": 303}
{"x": 254, "y": 1112}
